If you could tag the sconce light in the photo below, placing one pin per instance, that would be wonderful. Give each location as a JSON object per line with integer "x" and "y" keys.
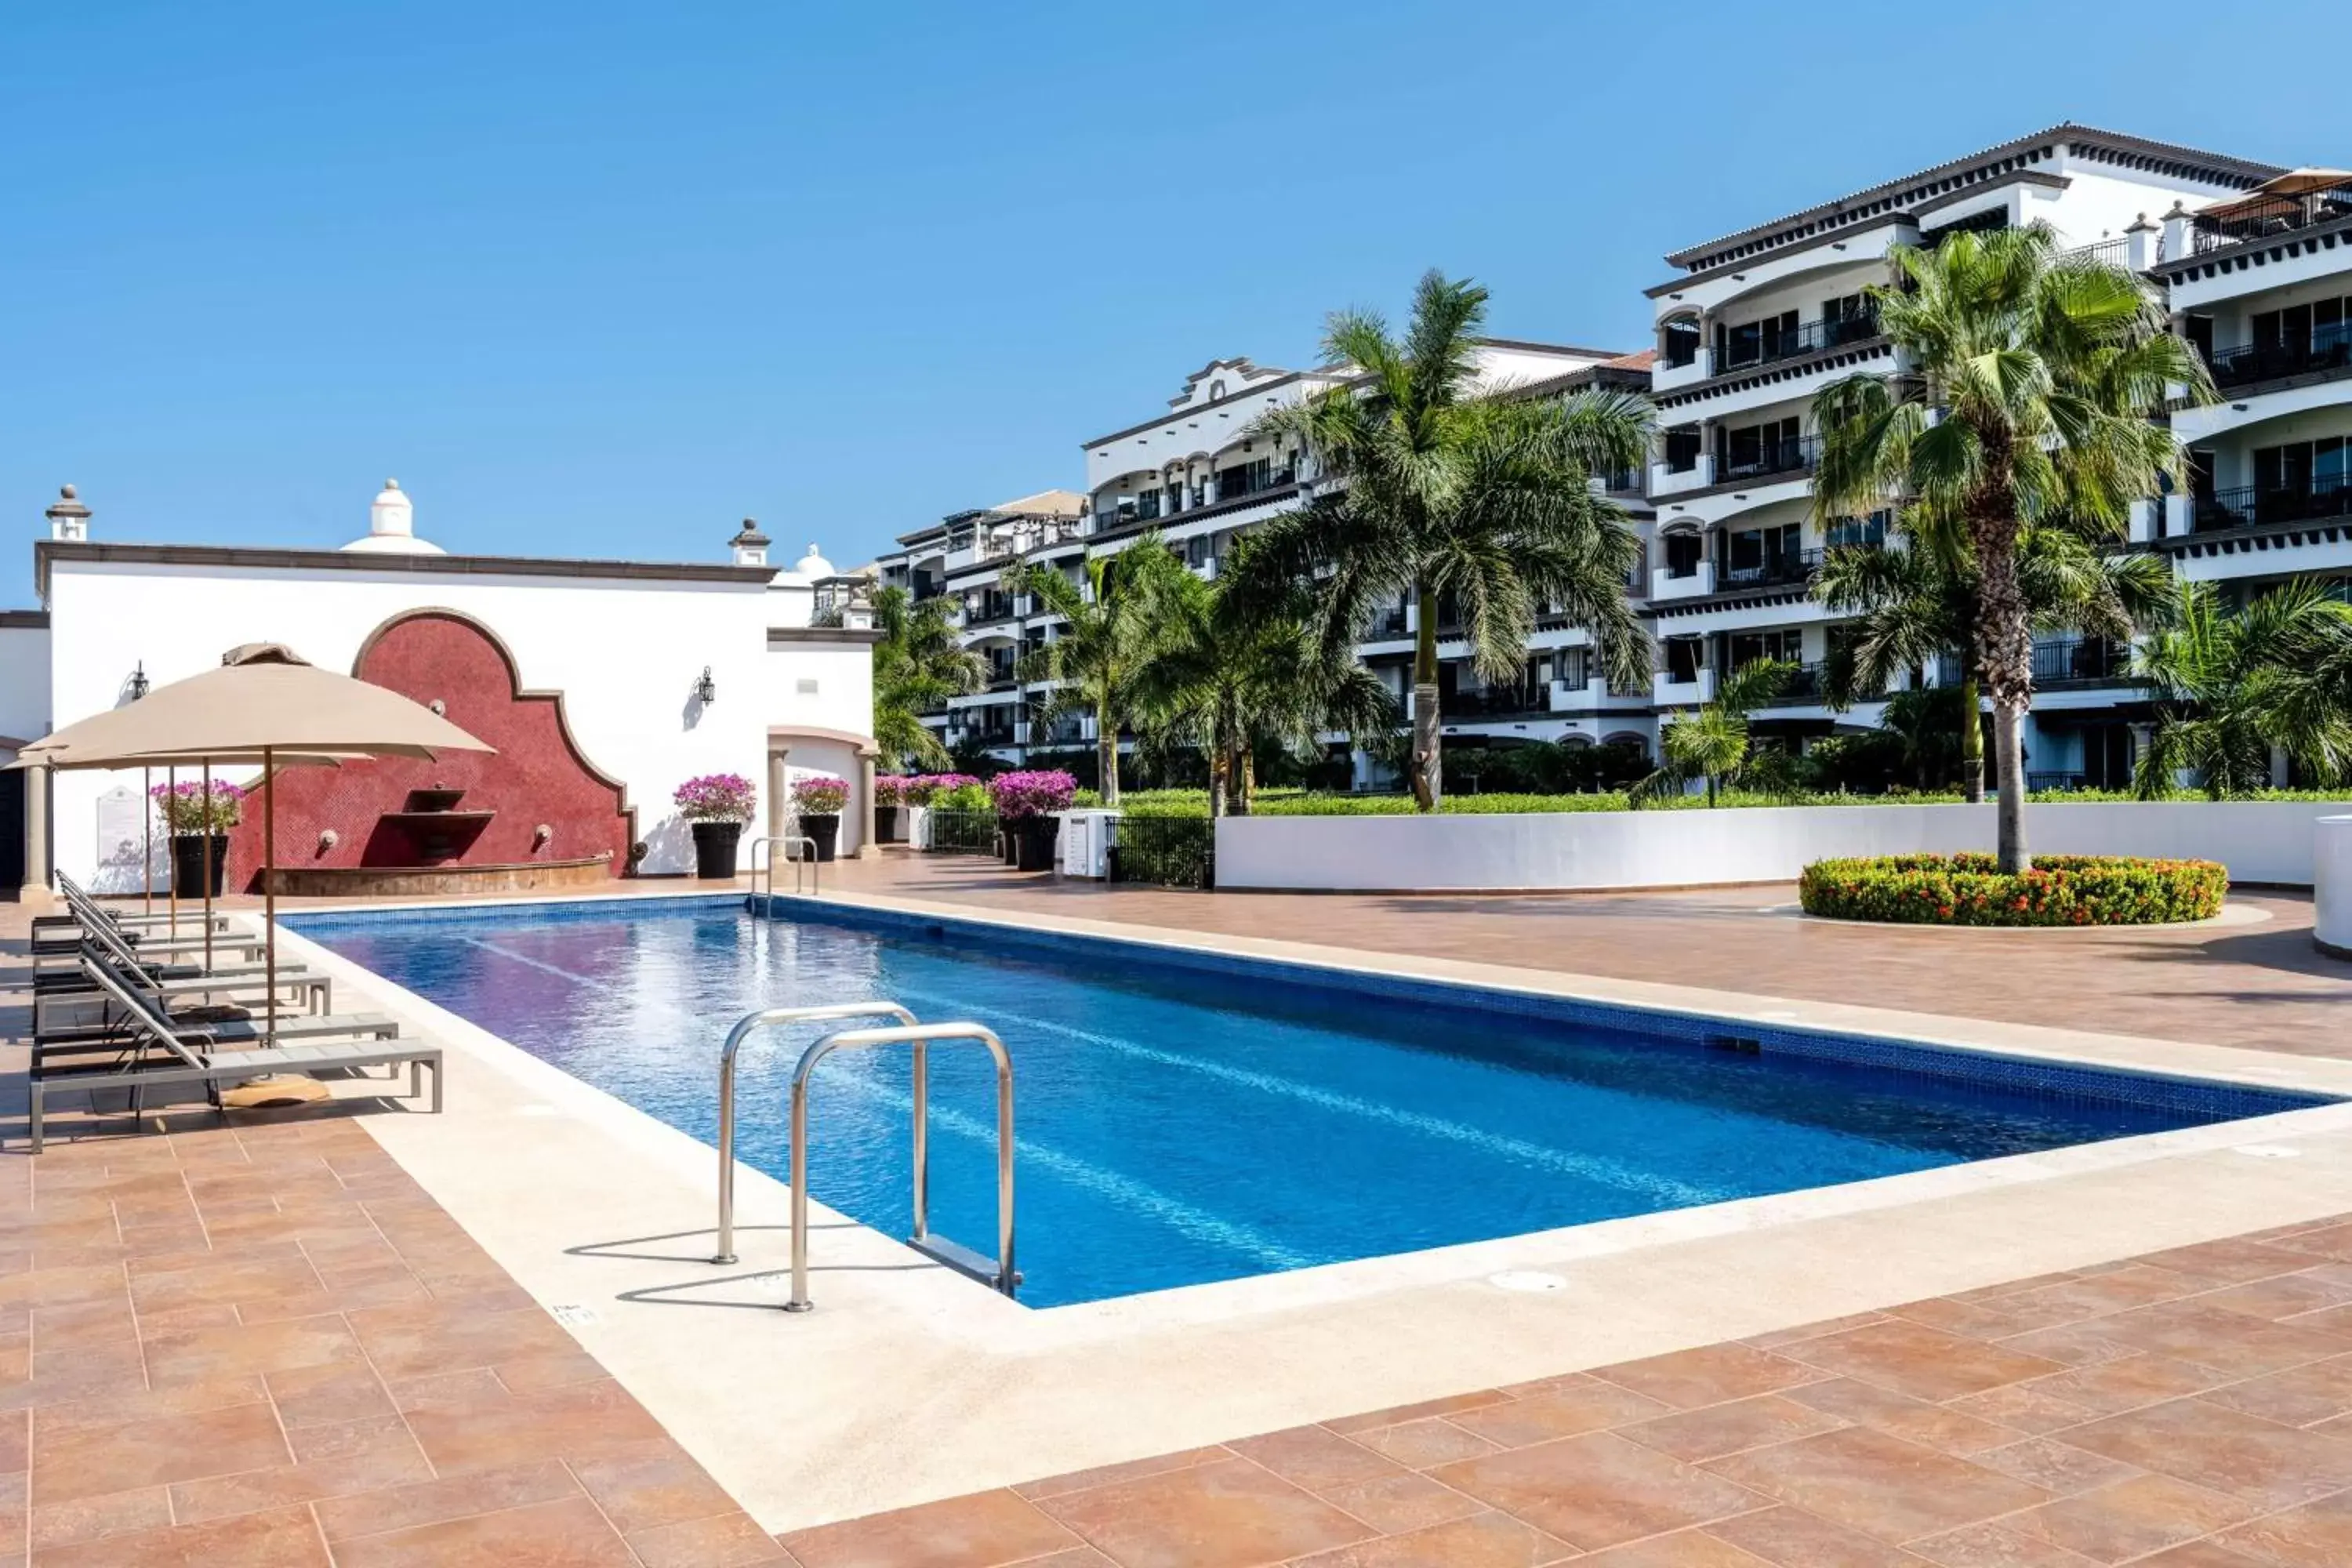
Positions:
{"x": 139, "y": 685}
{"x": 706, "y": 691}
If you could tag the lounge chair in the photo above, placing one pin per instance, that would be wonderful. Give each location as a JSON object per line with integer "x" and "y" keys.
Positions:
{"x": 61, "y": 996}
{"x": 164, "y": 1055}
{"x": 112, "y": 1031}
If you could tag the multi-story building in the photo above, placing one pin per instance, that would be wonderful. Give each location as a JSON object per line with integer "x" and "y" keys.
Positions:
{"x": 1760, "y": 320}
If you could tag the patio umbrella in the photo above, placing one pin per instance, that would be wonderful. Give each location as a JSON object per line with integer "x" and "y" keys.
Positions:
{"x": 265, "y": 706}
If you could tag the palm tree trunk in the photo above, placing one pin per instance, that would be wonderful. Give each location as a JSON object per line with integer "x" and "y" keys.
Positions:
{"x": 1972, "y": 742}
{"x": 1220, "y": 766}
{"x": 1428, "y": 779}
{"x": 1245, "y": 774}
{"x": 2004, "y": 636}
{"x": 1710, "y": 792}
{"x": 1107, "y": 750}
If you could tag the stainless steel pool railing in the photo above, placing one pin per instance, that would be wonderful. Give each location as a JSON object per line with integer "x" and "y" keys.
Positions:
{"x": 752, "y": 1024}
{"x": 764, "y": 865}
{"x": 998, "y": 1273}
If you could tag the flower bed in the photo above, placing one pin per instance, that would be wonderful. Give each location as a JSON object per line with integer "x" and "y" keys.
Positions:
{"x": 2061, "y": 890}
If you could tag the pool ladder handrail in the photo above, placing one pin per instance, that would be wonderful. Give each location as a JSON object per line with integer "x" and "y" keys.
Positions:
{"x": 998, "y": 1273}
{"x": 761, "y": 863}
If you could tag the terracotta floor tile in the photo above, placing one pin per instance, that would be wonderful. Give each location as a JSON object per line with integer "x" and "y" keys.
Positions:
{"x": 2316, "y": 1535}
{"x": 1133, "y": 1470}
{"x": 2201, "y": 1554}
{"x": 2028, "y": 1406}
{"x": 1430, "y": 1441}
{"x": 416, "y": 1339}
{"x": 2287, "y": 1296}
{"x": 198, "y": 1354}
{"x": 285, "y": 1539}
{"x": 1900, "y": 1415}
{"x": 2210, "y": 1445}
{"x": 2131, "y": 1518}
{"x": 1801, "y": 1332}
{"x": 88, "y": 1461}
{"x": 1879, "y": 1485}
{"x": 1990, "y": 1546}
{"x": 2302, "y": 1398}
{"x": 1972, "y": 1319}
{"x": 566, "y": 1534}
{"x": 1314, "y": 1456}
{"x": 1719, "y": 1429}
{"x": 95, "y": 1518}
{"x": 575, "y": 1423}
{"x": 323, "y": 1396}
{"x": 1598, "y": 1490}
{"x": 720, "y": 1541}
{"x": 2227, "y": 1342}
{"x": 1791, "y": 1538}
{"x": 651, "y": 1484}
{"x": 1401, "y": 1503}
{"x": 225, "y": 1280}
{"x": 1683, "y": 1549}
{"x": 2113, "y": 1387}
{"x": 1399, "y": 1415}
{"x": 461, "y": 1496}
{"x": 984, "y": 1530}
{"x": 1567, "y": 1408}
{"x": 1924, "y": 1362}
{"x": 1231, "y": 1512}
{"x": 2083, "y": 1343}
{"x": 2231, "y": 1261}
{"x": 2057, "y": 1468}
{"x": 1489, "y": 1540}
{"x": 1710, "y": 1375}
{"x": 330, "y": 1461}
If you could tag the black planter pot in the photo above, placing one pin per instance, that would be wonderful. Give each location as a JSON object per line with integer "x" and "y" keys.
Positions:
{"x": 714, "y": 850}
{"x": 188, "y": 863}
{"x": 825, "y": 832}
{"x": 890, "y": 825}
{"x": 1008, "y": 842}
{"x": 1033, "y": 838}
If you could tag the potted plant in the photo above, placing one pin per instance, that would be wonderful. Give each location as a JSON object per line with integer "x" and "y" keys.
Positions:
{"x": 817, "y": 800}
{"x": 198, "y": 817}
{"x": 891, "y": 802}
{"x": 717, "y": 805}
{"x": 1026, "y": 804}
{"x": 953, "y": 811}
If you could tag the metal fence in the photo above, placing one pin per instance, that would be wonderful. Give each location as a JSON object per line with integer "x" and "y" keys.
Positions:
{"x": 1172, "y": 851}
{"x": 962, "y": 832}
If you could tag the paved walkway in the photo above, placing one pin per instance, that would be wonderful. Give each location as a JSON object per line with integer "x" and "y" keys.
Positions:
{"x": 2262, "y": 985}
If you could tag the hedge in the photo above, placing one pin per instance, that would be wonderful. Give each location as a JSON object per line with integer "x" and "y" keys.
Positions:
{"x": 2061, "y": 890}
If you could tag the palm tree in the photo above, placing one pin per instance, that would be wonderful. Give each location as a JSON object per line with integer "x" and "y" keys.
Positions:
{"x": 1228, "y": 676}
{"x": 917, "y": 666}
{"x": 1712, "y": 743}
{"x": 1104, "y": 643}
{"x": 2031, "y": 377}
{"x": 1912, "y": 606}
{"x": 1481, "y": 504}
{"x": 2234, "y": 686}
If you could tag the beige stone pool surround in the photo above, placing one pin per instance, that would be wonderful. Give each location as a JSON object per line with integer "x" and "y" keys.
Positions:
{"x": 910, "y": 1383}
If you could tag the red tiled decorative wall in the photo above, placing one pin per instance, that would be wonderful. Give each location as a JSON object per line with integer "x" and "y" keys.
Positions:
{"x": 536, "y": 777}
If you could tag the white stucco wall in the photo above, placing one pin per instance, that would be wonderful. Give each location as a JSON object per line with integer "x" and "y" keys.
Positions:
{"x": 2259, "y": 841}
{"x": 2331, "y": 924}
{"x": 624, "y": 652}
{"x": 24, "y": 684}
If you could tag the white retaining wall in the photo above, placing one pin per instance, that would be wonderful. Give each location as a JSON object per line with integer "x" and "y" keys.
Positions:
{"x": 2331, "y": 924}
{"x": 2259, "y": 841}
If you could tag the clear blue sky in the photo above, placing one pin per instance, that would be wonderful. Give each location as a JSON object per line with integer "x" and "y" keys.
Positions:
{"x": 601, "y": 279}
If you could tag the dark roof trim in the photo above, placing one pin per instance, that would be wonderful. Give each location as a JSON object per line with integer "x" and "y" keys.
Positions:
{"x": 846, "y": 637}
{"x": 1532, "y": 345}
{"x": 23, "y": 620}
{"x": 1175, "y": 414}
{"x": 2101, "y": 146}
{"x": 1622, "y": 377}
{"x": 272, "y": 560}
{"x": 2247, "y": 541}
{"x": 2022, "y": 177}
{"x": 936, "y": 530}
{"x": 2245, "y": 255}
{"x": 1839, "y": 237}
{"x": 1730, "y": 599}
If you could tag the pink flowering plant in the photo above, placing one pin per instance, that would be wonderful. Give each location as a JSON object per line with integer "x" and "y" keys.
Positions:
{"x": 715, "y": 797}
{"x": 890, "y": 789}
{"x": 1032, "y": 794}
{"x": 184, "y": 808}
{"x": 820, "y": 794}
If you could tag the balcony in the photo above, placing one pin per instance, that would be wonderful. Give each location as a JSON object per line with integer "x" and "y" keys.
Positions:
{"x": 2062, "y": 662}
{"x": 1811, "y": 338}
{"x": 1696, "y": 583}
{"x": 1667, "y": 692}
{"x": 1781, "y": 567}
{"x": 1799, "y": 455}
{"x": 1666, "y": 478}
{"x": 2250, "y": 505}
{"x": 1494, "y": 703}
{"x": 1388, "y": 627}
{"x": 2328, "y": 352}
{"x": 2273, "y": 217}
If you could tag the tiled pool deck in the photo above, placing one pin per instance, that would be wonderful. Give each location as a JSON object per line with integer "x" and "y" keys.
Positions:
{"x": 268, "y": 1344}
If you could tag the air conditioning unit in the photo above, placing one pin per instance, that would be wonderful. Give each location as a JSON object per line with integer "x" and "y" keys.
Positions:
{"x": 1085, "y": 843}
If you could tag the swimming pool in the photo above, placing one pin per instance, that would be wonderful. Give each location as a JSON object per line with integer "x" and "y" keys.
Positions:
{"x": 1184, "y": 1119}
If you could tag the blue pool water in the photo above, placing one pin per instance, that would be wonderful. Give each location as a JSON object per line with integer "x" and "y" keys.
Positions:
{"x": 1177, "y": 1125}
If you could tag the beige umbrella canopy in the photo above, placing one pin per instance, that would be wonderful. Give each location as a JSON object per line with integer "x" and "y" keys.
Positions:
{"x": 2278, "y": 196}
{"x": 264, "y": 705}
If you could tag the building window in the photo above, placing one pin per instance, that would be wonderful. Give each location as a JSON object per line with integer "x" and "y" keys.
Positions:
{"x": 1682, "y": 343}
{"x": 1682, "y": 449}
{"x": 1685, "y": 657}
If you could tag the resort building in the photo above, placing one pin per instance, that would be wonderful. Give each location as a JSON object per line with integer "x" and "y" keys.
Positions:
{"x": 1757, "y": 322}
{"x": 603, "y": 685}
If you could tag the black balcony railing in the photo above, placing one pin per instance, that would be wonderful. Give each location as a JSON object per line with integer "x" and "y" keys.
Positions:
{"x": 2079, "y": 661}
{"x": 2275, "y": 215}
{"x": 962, "y": 832}
{"x": 1388, "y": 624}
{"x": 1491, "y": 701}
{"x": 1172, "y": 851}
{"x": 1778, "y": 567}
{"x": 1735, "y": 354}
{"x": 2330, "y": 349}
{"x": 2244, "y": 507}
{"x": 1802, "y": 687}
{"x": 1796, "y": 455}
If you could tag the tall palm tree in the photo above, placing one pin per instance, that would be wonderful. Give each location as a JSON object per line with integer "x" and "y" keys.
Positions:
{"x": 1442, "y": 497}
{"x": 1913, "y": 606}
{"x": 917, "y": 666}
{"x": 2234, "y": 685}
{"x": 1104, "y": 640}
{"x": 1227, "y": 676}
{"x": 2030, "y": 377}
{"x": 1712, "y": 743}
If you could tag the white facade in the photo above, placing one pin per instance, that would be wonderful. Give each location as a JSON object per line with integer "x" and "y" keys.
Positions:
{"x": 625, "y": 644}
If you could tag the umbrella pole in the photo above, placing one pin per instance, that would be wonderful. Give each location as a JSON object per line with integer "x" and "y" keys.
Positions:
{"x": 172, "y": 794}
{"x": 208, "y": 865}
{"x": 147, "y": 857}
{"x": 270, "y": 882}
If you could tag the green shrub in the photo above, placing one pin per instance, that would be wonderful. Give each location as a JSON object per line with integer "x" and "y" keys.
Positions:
{"x": 2061, "y": 890}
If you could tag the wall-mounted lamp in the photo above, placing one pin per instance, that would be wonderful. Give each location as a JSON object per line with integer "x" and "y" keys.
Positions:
{"x": 706, "y": 691}
{"x": 138, "y": 684}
